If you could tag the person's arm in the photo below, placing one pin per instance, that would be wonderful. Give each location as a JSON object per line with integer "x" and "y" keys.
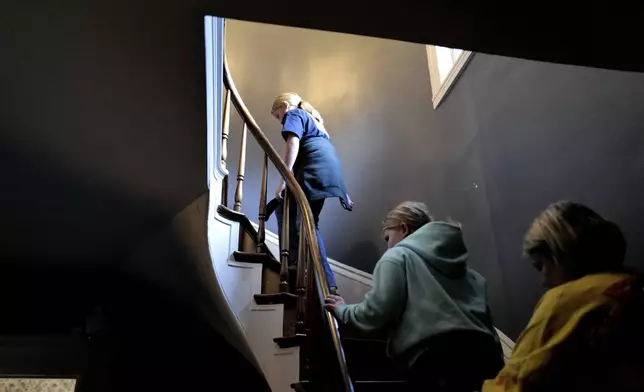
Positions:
{"x": 291, "y": 150}
{"x": 292, "y": 131}
{"x": 383, "y": 304}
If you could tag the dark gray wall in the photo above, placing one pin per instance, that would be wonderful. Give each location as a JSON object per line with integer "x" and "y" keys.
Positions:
{"x": 511, "y": 137}
{"x": 550, "y": 132}
{"x": 102, "y": 141}
{"x": 102, "y": 125}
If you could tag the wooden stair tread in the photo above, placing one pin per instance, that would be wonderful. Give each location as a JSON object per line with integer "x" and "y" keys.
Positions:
{"x": 245, "y": 224}
{"x": 366, "y": 386}
{"x": 369, "y": 366}
{"x": 300, "y": 386}
{"x": 289, "y": 300}
{"x": 364, "y": 340}
{"x": 266, "y": 259}
{"x": 290, "y": 341}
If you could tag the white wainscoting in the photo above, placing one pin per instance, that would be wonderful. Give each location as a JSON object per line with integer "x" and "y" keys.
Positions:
{"x": 353, "y": 284}
{"x": 259, "y": 323}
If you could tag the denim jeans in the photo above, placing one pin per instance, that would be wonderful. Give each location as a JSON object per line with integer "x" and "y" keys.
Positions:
{"x": 294, "y": 229}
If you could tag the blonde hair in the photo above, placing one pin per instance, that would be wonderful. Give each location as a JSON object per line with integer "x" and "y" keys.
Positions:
{"x": 412, "y": 213}
{"x": 577, "y": 238}
{"x": 292, "y": 99}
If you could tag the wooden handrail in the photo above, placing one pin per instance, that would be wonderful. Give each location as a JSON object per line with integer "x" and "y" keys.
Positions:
{"x": 307, "y": 226}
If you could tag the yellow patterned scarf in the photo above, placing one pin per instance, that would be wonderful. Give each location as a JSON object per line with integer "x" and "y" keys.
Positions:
{"x": 584, "y": 335}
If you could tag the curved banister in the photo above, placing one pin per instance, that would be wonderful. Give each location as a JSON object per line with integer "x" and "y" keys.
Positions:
{"x": 307, "y": 226}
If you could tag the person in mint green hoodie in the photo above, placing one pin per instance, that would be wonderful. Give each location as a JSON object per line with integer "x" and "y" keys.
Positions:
{"x": 432, "y": 305}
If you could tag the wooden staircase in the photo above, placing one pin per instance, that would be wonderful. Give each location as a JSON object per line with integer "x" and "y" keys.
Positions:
{"x": 329, "y": 359}
{"x": 370, "y": 368}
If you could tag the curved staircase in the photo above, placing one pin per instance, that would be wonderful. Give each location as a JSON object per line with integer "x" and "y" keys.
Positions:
{"x": 297, "y": 343}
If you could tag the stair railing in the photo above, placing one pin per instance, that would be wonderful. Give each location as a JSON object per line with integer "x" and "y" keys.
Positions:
{"x": 312, "y": 283}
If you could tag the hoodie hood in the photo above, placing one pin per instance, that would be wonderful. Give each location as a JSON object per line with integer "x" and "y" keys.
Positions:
{"x": 441, "y": 246}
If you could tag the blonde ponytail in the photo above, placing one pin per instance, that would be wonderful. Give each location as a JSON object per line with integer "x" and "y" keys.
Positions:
{"x": 292, "y": 99}
{"x": 306, "y": 105}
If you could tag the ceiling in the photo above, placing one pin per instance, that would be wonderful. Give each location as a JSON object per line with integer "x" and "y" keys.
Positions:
{"x": 590, "y": 33}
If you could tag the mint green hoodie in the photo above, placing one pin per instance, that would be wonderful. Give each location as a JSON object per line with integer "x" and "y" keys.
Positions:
{"x": 422, "y": 287}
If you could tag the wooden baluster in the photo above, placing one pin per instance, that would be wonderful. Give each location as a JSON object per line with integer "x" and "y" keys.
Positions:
{"x": 311, "y": 294}
{"x": 313, "y": 328}
{"x": 302, "y": 257}
{"x": 261, "y": 232}
{"x": 225, "y": 129}
{"x": 284, "y": 237}
{"x": 241, "y": 170}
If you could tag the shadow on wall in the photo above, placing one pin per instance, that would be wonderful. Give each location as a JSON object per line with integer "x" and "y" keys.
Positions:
{"x": 50, "y": 215}
{"x": 63, "y": 256}
{"x": 149, "y": 338}
{"x": 364, "y": 255}
{"x": 109, "y": 141}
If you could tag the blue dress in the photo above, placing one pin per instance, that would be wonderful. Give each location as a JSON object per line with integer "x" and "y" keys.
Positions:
{"x": 317, "y": 167}
{"x": 317, "y": 170}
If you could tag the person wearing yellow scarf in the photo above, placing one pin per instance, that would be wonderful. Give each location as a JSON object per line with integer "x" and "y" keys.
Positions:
{"x": 587, "y": 331}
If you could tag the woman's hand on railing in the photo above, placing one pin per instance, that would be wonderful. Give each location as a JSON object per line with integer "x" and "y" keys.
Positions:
{"x": 332, "y": 302}
{"x": 279, "y": 191}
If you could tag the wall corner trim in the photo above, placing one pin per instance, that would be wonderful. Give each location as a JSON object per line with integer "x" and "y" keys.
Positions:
{"x": 214, "y": 50}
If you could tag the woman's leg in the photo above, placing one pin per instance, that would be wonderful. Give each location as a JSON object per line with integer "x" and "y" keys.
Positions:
{"x": 316, "y": 207}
